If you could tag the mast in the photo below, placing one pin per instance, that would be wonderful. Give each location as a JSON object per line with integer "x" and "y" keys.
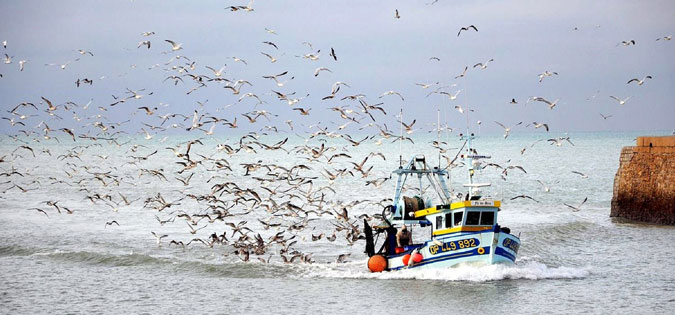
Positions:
{"x": 400, "y": 143}
{"x": 438, "y": 134}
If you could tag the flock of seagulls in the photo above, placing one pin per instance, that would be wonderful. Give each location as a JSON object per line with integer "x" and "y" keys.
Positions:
{"x": 255, "y": 208}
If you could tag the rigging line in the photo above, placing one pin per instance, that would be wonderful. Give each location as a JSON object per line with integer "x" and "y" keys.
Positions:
{"x": 435, "y": 184}
{"x": 456, "y": 155}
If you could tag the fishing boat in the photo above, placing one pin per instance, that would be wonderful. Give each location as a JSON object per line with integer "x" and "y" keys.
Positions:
{"x": 463, "y": 224}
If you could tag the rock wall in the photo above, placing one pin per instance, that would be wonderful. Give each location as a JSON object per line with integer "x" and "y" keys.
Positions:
{"x": 644, "y": 185}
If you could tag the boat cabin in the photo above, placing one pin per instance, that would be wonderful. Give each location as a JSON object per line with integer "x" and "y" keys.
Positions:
{"x": 462, "y": 216}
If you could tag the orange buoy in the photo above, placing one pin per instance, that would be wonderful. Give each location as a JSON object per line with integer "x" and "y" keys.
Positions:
{"x": 417, "y": 258}
{"x": 377, "y": 263}
{"x": 406, "y": 258}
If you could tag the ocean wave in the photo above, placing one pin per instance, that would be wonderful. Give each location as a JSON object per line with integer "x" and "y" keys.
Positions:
{"x": 13, "y": 250}
{"x": 106, "y": 259}
{"x": 530, "y": 270}
{"x": 211, "y": 265}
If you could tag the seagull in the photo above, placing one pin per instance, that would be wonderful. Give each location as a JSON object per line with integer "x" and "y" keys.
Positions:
{"x": 148, "y": 136}
{"x": 408, "y": 128}
{"x": 8, "y": 59}
{"x": 174, "y": 46}
{"x": 62, "y": 66}
{"x": 559, "y": 141}
{"x": 4, "y": 44}
{"x": 639, "y": 82}
{"x": 605, "y": 117}
{"x": 461, "y": 75}
{"x": 461, "y": 110}
{"x": 275, "y": 78}
{"x": 621, "y": 102}
{"x": 575, "y": 209}
{"x": 84, "y": 52}
{"x": 424, "y": 85}
{"x": 144, "y": 43}
{"x": 332, "y": 53}
{"x": 451, "y": 96}
{"x": 546, "y": 74}
{"x": 546, "y": 188}
{"x": 39, "y": 210}
{"x": 550, "y": 104}
{"x": 524, "y": 196}
{"x": 311, "y": 56}
{"x": 669, "y": 37}
{"x": 513, "y": 101}
{"x": 159, "y": 238}
{"x": 538, "y": 125}
{"x": 148, "y": 33}
{"x": 111, "y": 223}
{"x": 271, "y": 44}
{"x": 217, "y": 73}
{"x": 271, "y": 31}
{"x": 466, "y": 28}
{"x": 581, "y": 174}
{"x": 240, "y": 60}
{"x": 248, "y": 7}
{"x": 396, "y": 15}
{"x": 627, "y": 42}
{"x": 507, "y": 130}
{"x": 342, "y": 258}
{"x": 483, "y": 65}
{"x": 303, "y": 111}
{"x": 319, "y": 69}
{"x": 392, "y": 92}
{"x": 21, "y": 63}
{"x": 50, "y": 106}
{"x": 272, "y": 59}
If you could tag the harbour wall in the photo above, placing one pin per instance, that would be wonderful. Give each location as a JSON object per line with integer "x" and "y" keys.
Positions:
{"x": 644, "y": 184}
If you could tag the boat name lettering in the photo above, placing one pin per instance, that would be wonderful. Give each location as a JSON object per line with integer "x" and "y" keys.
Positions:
{"x": 511, "y": 244}
{"x": 453, "y": 245}
{"x": 481, "y": 203}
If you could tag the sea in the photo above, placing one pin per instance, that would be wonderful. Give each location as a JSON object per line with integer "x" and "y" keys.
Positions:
{"x": 60, "y": 263}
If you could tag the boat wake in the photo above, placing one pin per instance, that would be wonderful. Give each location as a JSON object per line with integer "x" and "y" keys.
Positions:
{"x": 527, "y": 270}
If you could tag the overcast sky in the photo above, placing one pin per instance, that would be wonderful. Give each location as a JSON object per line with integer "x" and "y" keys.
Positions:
{"x": 376, "y": 53}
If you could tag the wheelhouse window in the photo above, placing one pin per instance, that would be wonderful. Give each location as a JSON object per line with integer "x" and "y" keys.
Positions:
{"x": 487, "y": 218}
{"x": 458, "y": 218}
{"x": 472, "y": 217}
{"x": 448, "y": 220}
{"x": 439, "y": 222}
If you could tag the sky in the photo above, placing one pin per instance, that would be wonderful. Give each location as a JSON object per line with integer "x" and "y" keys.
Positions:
{"x": 376, "y": 52}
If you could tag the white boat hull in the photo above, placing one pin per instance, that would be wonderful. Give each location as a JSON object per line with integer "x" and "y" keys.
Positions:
{"x": 487, "y": 247}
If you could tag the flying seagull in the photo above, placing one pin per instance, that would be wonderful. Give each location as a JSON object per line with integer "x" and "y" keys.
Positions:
{"x": 621, "y": 102}
{"x": 483, "y": 65}
{"x": 174, "y": 46}
{"x": 639, "y": 82}
{"x": 466, "y": 28}
{"x": 507, "y": 130}
{"x": 575, "y": 209}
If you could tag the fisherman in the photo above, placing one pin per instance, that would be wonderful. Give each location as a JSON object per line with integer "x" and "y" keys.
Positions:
{"x": 403, "y": 237}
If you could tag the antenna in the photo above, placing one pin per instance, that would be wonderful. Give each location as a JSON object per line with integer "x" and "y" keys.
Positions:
{"x": 466, "y": 100}
{"x": 400, "y": 143}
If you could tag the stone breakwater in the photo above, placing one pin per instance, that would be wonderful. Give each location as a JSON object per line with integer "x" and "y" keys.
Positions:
{"x": 644, "y": 185}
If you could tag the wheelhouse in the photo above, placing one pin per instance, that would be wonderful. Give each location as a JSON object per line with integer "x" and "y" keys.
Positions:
{"x": 463, "y": 216}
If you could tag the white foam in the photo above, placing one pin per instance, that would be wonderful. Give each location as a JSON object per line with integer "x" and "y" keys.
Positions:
{"x": 530, "y": 270}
